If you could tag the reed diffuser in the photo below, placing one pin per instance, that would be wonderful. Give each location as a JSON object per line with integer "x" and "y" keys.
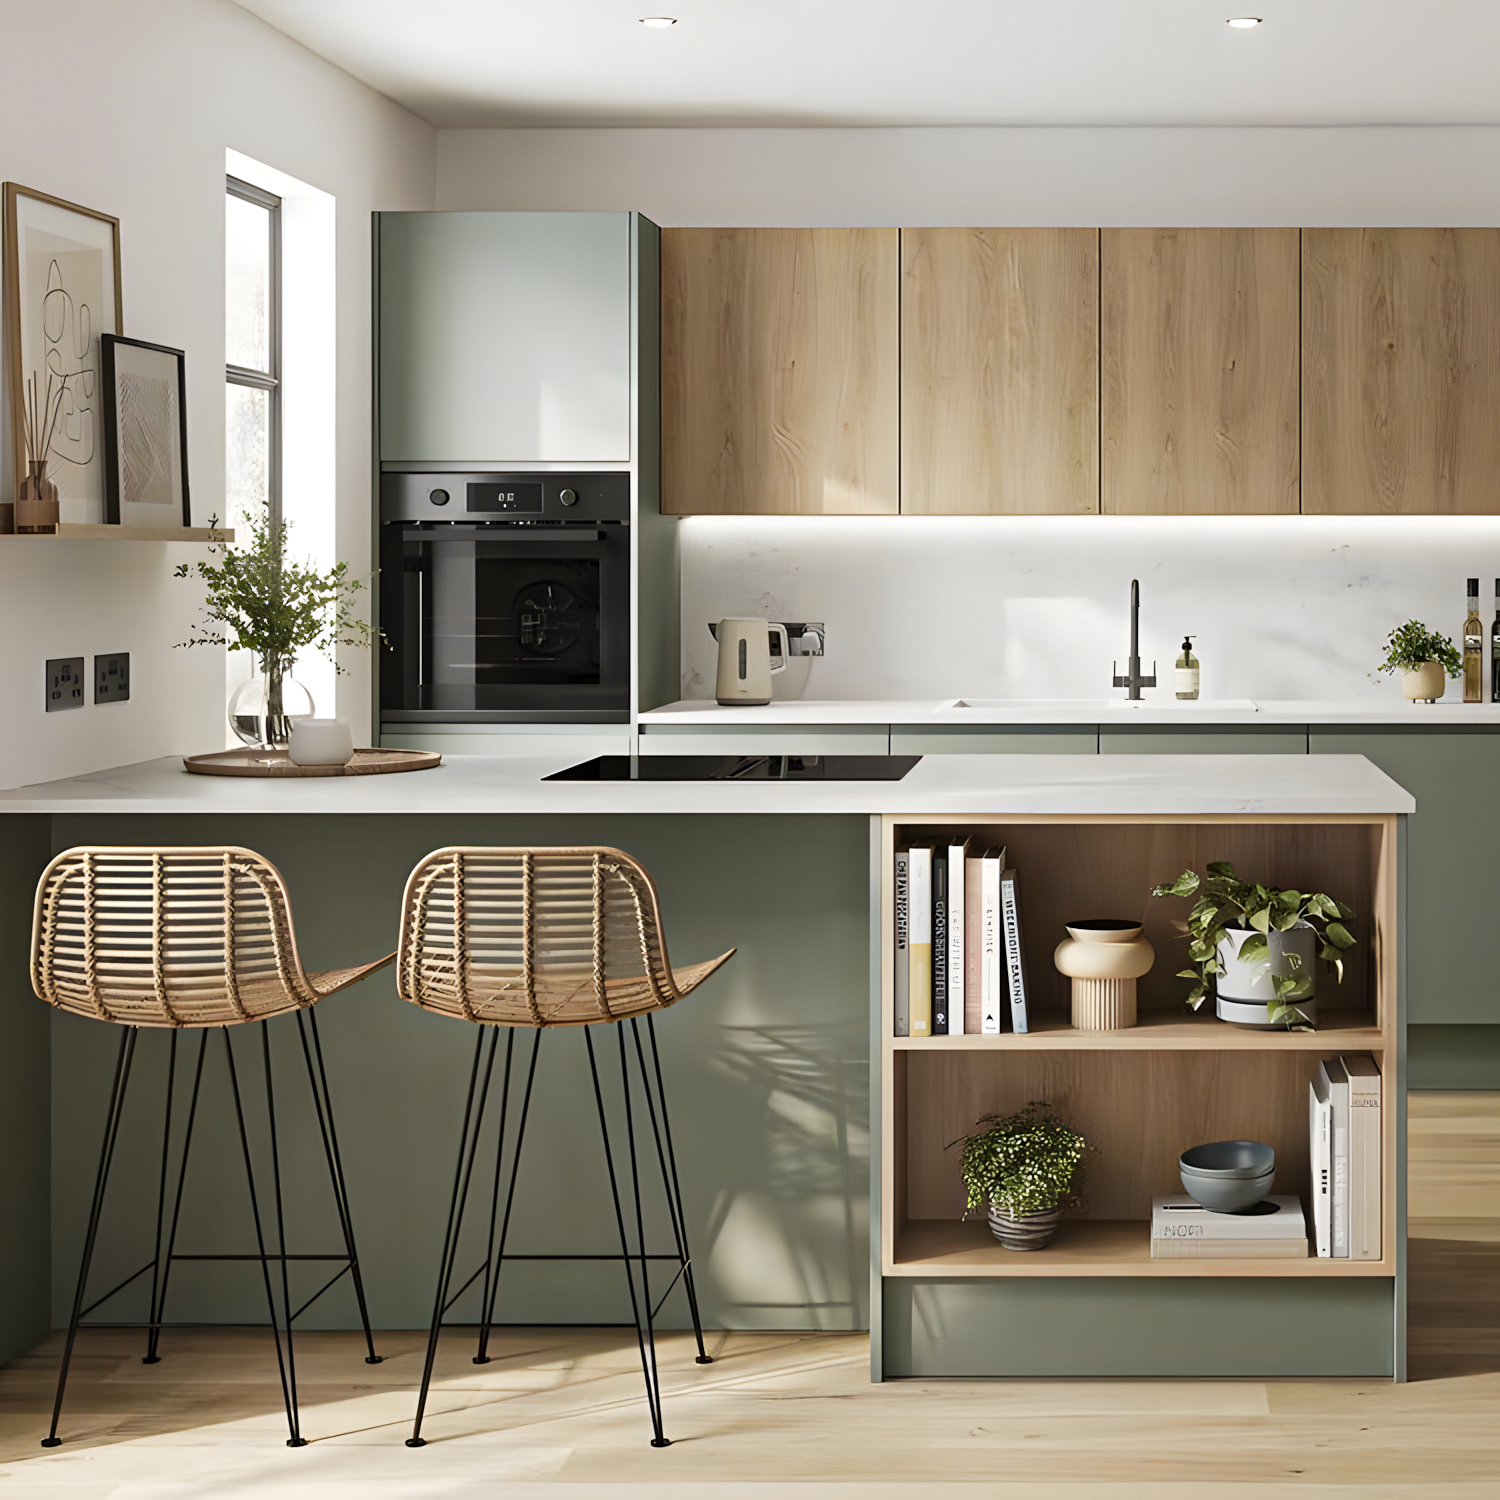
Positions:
{"x": 37, "y": 511}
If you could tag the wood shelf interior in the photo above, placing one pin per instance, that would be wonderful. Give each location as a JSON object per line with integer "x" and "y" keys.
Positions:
{"x": 78, "y": 531}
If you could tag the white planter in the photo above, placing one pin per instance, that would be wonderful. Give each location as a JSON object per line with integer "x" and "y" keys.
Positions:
{"x": 1245, "y": 988}
{"x": 1426, "y": 684}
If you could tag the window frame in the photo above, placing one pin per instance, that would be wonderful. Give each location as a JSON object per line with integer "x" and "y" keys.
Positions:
{"x": 268, "y": 380}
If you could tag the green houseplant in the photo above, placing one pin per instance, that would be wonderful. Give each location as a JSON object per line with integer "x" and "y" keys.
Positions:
{"x": 1422, "y": 656}
{"x": 1255, "y": 943}
{"x": 1022, "y": 1168}
{"x": 259, "y": 600}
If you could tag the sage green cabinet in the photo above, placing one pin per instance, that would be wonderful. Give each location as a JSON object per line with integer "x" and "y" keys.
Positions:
{"x": 1195, "y": 739}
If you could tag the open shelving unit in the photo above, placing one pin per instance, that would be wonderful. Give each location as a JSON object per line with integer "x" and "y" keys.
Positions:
{"x": 1142, "y": 1095}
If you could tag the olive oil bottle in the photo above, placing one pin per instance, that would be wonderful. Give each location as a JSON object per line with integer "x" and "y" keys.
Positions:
{"x": 1473, "y": 648}
{"x": 1495, "y": 649}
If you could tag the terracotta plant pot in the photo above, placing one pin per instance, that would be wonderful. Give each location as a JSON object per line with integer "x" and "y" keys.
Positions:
{"x": 1426, "y": 684}
{"x": 1028, "y": 1232}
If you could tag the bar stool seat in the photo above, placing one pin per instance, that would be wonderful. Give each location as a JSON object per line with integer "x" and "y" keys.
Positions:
{"x": 540, "y": 938}
{"x": 191, "y": 938}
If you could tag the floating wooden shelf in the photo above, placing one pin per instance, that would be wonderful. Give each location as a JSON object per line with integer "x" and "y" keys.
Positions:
{"x": 1168, "y": 1031}
{"x": 932, "y": 1248}
{"x": 81, "y": 531}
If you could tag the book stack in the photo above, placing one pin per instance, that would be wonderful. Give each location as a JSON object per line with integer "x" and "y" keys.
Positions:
{"x": 1344, "y": 1125}
{"x": 960, "y": 967}
{"x": 1184, "y": 1230}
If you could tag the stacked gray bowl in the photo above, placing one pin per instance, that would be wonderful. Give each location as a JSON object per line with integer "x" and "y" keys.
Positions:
{"x": 1227, "y": 1177}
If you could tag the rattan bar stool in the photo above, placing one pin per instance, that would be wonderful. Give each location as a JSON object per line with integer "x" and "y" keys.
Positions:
{"x": 536, "y": 938}
{"x": 197, "y": 939}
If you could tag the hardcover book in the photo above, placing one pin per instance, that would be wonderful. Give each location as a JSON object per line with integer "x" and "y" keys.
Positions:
{"x": 1182, "y": 1229}
{"x": 957, "y": 914}
{"x": 973, "y": 944}
{"x": 902, "y": 974}
{"x": 939, "y": 943}
{"x": 1320, "y": 1143}
{"x": 1364, "y": 1156}
{"x": 1015, "y": 957}
{"x": 992, "y": 990}
{"x": 1331, "y": 1073}
{"x": 919, "y": 941}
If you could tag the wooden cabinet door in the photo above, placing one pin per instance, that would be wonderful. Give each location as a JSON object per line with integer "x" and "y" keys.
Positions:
{"x": 1401, "y": 382}
{"x": 999, "y": 371}
{"x": 1199, "y": 364}
{"x": 780, "y": 351}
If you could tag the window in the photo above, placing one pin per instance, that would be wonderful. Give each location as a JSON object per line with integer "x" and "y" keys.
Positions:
{"x": 252, "y": 352}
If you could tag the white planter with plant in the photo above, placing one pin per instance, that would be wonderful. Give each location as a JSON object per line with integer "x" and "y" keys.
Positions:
{"x": 1022, "y": 1169}
{"x": 1258, "y": 946}
{"x": 1424, "y": 659}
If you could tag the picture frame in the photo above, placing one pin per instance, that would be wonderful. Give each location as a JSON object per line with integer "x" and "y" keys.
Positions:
{"x": 61, "y": 292}
{"x": 144, "y": 389}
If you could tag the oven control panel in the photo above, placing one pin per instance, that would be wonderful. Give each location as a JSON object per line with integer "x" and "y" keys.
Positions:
{"x": 517, "y": 499}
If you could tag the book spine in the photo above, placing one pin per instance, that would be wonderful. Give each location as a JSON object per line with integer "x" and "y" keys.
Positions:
{"x": 973, "y": 946}
{"x": 1319, "y": 1121}
{"x": 919, "y": 947}
{"x": 1015, "y": 958}
{"x": 957, "y": 911}
{"x": 1364, "y": 1160}
{"x": 939, "y": 945}
{"x": 992, "y": 978}
{"x": 1338, "y": 1096}
{"x": 902, "y": 974}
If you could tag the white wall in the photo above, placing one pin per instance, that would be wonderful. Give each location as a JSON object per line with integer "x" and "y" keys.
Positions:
{"x": 1293, "y": 607}
{"x": 134, "y": 120}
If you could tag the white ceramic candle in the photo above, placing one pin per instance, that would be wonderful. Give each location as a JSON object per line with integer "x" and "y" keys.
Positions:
{"x": 321, "y": 742}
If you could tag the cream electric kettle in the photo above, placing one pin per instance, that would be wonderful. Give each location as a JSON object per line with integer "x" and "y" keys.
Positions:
{"x": 745, "y": 660}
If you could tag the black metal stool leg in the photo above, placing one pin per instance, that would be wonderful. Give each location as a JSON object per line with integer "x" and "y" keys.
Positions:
{"x": 101, "y": 1184}
{"x": 497, "y": 1252}
{"x": 644, "y": 1340}
{"x": 288, "y": 1390}
{"x": 491, "y": 1271}
{"x": 668, "y": 1161}
{"x": 149, "y": 1358}
{"x": 159, "y": 1301}
{"x": 468, "y": 1147}
{"x": 296, "y": 1440}
{"x": 317, "y": 1079}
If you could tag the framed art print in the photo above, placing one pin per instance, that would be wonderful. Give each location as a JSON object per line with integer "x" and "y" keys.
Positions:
{"x": 62, "y": 291}
{"x": 145, "y": 433}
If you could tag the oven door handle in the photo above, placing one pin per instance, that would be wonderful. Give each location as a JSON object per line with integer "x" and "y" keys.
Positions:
{"x": 482, "y": 533}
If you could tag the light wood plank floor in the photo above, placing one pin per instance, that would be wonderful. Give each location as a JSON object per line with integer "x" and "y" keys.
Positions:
{"x": 558, "y": 1415}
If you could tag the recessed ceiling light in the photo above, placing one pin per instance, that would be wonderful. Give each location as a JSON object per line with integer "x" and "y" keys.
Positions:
{"x": 1244, "y": 23}
{"x": 658, "y": 21}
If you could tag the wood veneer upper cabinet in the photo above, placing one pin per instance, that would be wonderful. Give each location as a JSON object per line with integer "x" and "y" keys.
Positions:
{"x": 999, "y": 371}
{"x": 1401, "y": 382}
{"x": 780, "y": 355}
{"x": 1199, "y": 363}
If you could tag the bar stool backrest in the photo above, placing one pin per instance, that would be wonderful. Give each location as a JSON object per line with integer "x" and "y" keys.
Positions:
{"x": 166, "y": 936}
{"x": 533, "y": 937}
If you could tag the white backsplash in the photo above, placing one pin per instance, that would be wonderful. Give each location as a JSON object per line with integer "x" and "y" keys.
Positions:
{"x": 918, "y": 607}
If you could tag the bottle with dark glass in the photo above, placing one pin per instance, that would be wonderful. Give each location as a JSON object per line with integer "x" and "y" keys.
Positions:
{"x": 1473, "y": 648}
{"x": 1495, "y": 649}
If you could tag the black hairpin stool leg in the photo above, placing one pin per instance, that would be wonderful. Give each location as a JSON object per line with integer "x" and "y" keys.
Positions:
{"x": 468, "y": 1147}
{"x": 91, "y": 1235}
{"x": 645, "y": 1339}
{"x": 317, "y": 1078}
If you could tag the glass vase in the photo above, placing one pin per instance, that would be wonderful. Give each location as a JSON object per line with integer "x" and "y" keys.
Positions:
{"x": 37, "y": 509}
{"x": 262, "y": 708}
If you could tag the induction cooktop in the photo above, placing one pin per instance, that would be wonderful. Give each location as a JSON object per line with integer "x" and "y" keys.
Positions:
{"x": 739, "y": 768}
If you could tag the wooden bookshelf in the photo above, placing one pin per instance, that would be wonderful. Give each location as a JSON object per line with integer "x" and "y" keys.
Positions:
{"x": 1144, "y": 1095}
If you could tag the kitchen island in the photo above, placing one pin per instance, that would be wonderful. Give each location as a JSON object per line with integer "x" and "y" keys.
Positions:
{"x": 782, "y": 1070}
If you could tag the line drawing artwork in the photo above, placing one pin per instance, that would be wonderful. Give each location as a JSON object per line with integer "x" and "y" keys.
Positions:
{"x": 70, "y": 357}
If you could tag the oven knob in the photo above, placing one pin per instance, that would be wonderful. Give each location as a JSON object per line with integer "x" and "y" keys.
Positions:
{"x": 569, "y": 497}
{"x": 439, "y": 497}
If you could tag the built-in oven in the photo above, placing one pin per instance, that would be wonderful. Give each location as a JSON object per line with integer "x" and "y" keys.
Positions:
{"x": 505, "y": 598}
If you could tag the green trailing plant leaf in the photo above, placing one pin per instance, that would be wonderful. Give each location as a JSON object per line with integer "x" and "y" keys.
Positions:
{"x": 1226, "y": 903}
{"x": 1413, "y": 645}
{"x": 1026, "y": 1163}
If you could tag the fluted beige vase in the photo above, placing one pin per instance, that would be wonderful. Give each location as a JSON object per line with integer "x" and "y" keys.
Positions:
{"x": 1104, "y": 957}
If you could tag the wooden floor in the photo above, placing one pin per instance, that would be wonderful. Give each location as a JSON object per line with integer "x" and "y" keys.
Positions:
{"x": 558, "y": 1415}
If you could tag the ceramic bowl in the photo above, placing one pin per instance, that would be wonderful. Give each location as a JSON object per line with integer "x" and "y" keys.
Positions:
{"x": 1104, "y": 930}
{"x": 1229, "y": 1159}
{"x": 1226, "y": 1195}
{"x": 321, "y": 742}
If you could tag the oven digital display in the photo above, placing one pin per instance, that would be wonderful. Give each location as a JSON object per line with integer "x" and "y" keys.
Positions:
{"x": 524, "y": 498}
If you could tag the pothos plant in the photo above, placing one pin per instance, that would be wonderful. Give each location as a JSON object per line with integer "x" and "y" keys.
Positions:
{"x": 1413, "y": 645}
{"x": 259, "y": 600}
{"x": 1226, "y": 902}
{"x": 1023, "y": 1163}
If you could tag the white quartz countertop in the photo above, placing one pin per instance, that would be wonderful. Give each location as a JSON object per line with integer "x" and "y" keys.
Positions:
{"x": 1155, "y": 708}
{"x": 938, "y": 786}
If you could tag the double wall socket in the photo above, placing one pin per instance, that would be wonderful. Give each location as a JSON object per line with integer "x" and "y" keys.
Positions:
{"x": 64, "y": 683}
{"x": 112, "y": 678}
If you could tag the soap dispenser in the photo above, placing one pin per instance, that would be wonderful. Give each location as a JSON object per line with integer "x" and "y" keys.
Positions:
{"x": 1187, "y": 670}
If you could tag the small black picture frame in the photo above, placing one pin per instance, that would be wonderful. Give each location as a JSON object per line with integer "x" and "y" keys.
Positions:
{"x": 145, "y": 434}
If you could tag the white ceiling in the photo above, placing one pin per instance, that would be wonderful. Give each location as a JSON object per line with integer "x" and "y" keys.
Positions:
{"x": 913, "y": 62}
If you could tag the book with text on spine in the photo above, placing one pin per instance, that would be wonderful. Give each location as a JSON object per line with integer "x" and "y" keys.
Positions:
{"x": 919, "y": 940}
{"x": 1015, "y": 956}
{"x": 1331, "y": 1075}
{"x": 939, "y": 942}
{"x": 1320, "y": 1146}
{"x": 957, "y": 921}
{"x": 1364, "y": 1156}
{"x": 993, "y": 998}
{"x": 973, "y": 944}
{"x": 902, "y": 976}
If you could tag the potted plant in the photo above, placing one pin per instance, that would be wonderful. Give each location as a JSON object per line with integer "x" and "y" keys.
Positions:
{"x": 1258, "y": 945}
{"x": 1022, "y": 1168}
{"x": 1422, "y": 656}
{"x": 260, "y": 601}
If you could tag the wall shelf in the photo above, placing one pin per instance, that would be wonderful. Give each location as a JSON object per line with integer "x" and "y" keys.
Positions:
{"x": 1167, "y": 1031}
{"x": 79, "y": 531}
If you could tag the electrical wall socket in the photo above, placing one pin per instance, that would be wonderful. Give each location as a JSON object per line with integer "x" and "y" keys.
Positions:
{"x": 112, "y": 678}
{"x": 64, "y": 682}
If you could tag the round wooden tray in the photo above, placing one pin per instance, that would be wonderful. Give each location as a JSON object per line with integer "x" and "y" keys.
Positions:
{"x": 249, "y": 762}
